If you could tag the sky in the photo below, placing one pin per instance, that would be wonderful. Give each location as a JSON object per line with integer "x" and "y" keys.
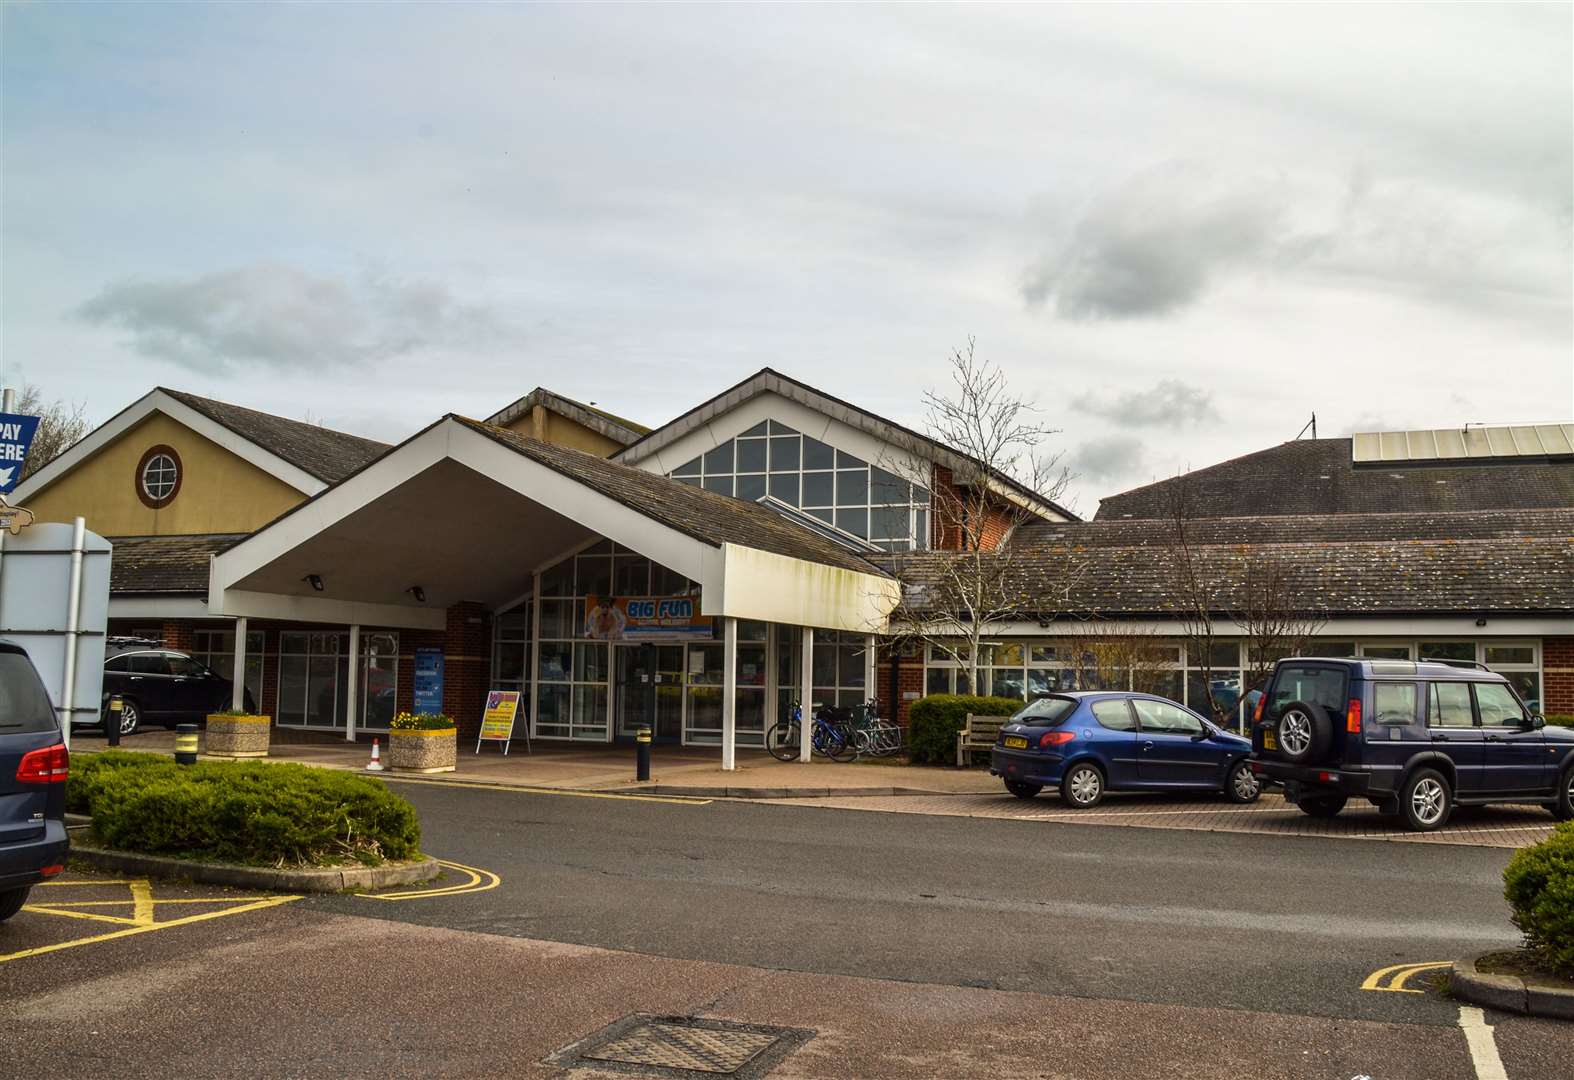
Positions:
{"x": 1179, "y": 230}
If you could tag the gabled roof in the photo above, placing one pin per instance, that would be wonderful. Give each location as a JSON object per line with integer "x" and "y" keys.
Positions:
{"x": 614, "y": 427}
{"x": 1405, "y": 527}
{"x": 1318, "y": 477}
{"x": 768, "y": 380}
{"x": 165, "y": 565}
{"x": 304, "y": 456}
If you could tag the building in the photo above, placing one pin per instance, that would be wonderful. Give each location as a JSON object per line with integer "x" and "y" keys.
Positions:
{"x": 700, "y": 576}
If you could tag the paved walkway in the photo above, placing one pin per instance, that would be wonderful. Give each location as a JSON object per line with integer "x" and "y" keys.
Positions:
{"x": 674, "y": 770}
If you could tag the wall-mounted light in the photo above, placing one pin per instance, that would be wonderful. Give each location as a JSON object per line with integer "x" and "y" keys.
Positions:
{"x": 1482, "y": 621}
{"x": 314, "y": 580}
{"x": 417, "y": 592}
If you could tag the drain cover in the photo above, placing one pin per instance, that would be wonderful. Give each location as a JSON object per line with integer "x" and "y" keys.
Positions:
{"x": 683, "y": 1047}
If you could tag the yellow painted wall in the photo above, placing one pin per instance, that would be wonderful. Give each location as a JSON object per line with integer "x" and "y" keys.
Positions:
{"x": 219, "y": 492}
{"x": 548, "y": 426}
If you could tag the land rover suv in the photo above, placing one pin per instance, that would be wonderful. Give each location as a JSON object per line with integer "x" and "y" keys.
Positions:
{"x": 1415, "y": 739}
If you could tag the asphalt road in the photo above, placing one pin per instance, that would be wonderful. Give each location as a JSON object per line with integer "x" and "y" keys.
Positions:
{"x": 1288, "y": 925}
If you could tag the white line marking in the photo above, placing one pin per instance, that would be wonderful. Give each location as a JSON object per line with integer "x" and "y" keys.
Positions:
{"x": 1483, "y": 1048}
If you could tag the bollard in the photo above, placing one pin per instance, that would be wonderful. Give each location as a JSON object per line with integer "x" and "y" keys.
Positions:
{"x": 642, "y": 753}
{"x": 186, "y": 744}
{"x": 117, "y": 705}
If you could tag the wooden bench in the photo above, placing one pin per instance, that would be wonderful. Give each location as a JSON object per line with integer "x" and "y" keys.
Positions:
{"x": 979, "y": 733}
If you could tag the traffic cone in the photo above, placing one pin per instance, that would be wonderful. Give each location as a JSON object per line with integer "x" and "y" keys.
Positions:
{"x": 376, "y": 764}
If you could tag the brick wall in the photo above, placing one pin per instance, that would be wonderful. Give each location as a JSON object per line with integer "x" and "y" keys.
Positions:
{"x": 909, "y": 679}
{"x": 467, "y": 662}
{"x": 1557, "y": 675}
{"x": 178, "y": 634}
{"x": 999, "y": 516}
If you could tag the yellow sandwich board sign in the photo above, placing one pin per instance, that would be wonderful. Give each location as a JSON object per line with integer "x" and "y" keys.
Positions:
{"x": 497, "y": 722}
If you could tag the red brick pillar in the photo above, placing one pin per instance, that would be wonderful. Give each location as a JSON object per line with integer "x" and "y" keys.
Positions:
{"x": 177, "y": 634}
{"x": 1557, "y": 676}
{"x": 467, "y": 662}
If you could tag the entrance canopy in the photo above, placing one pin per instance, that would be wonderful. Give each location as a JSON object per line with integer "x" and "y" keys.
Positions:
{"x": 463, "y": 511}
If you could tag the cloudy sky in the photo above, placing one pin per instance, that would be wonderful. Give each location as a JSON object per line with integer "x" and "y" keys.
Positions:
{"x": 1180, "y": 229}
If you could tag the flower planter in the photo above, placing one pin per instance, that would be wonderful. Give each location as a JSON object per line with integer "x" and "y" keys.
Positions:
{"x": 237, "y": 736}
{"x": 423, "y": 751}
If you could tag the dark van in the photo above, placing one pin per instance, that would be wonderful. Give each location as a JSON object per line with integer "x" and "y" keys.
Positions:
{"x": 1415, "y": 739}
{"x": 33, "y": 764}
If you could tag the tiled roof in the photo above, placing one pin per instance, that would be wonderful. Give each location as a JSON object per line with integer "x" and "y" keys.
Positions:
{"x": 165, "y": 564}
{"x": 1317, "y": 476}
{"x": 614, "y": 427}
{"x": 704, "y": 515}
{"x": 327, "y": 454}
{"x": 1298, "y": 529}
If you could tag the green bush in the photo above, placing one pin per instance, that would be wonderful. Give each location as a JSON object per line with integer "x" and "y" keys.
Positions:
{"x": 933, "y": 723}
{"x": 256, "y": 813}
{"x": 88, "y": 769}
{"x": 421, "y": 722}
{"x": 1561, "y": 719}
{"x": 1539, "y": 885}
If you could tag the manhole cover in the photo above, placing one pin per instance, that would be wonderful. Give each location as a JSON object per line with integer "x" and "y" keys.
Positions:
{"x": 683, "y": 1046}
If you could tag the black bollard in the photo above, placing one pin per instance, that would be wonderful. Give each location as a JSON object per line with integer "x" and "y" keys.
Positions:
{"x": 185, "y": 744}
{"x": 642, "y": 754}
{"x": 112, "y": 716}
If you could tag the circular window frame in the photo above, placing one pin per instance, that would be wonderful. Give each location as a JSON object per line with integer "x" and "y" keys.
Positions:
{"x": 139, "y": 479}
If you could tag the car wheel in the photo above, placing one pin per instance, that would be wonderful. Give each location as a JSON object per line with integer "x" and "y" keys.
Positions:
{"x": 1304, "y": 732}
{"x": 1563, "y": 808}
{"x": 1426, "y": 800}
{"x": 130, "y": 718}
{"x": 1082, "y": 786}
{"x": 1242, "y": 785}
{"x": 1322, "y": 806}
{"x": 1022, "y": 790}
{"x": 11, "y": 902}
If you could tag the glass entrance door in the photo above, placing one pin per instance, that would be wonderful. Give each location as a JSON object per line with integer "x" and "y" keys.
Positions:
{"x": 650, "y": 691}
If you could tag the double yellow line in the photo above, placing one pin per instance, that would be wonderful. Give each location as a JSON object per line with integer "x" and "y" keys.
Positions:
{"x": 480, "y": 881}
{"x": 1392, "y": 979}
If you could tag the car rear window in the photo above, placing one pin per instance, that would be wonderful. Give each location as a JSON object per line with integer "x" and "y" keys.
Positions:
{"x": 1314, "y": 685}
{"x": 24, "y": 703}
{"x": 1045, "y": 712}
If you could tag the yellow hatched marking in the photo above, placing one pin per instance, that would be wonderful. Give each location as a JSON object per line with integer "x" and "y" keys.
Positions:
{"x": 156, "y": 900}
{"x": 148, "y": 928}
{"x": 142, "y": 901}
{"x": 1392, "y": 979}
{"x": 480, "y": 881}
{"x": 96, "y": 881}
{"x": 50, "y": 909}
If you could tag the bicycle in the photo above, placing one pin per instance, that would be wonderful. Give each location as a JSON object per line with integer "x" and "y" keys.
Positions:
{"x": 872, "y": 736}
{"x": 784, "y": 739}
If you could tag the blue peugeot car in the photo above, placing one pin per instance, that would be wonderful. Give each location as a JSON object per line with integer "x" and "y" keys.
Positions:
{"x": 1086, "y": 743}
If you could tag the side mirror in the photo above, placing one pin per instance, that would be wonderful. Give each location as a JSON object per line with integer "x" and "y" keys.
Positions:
{"x": 1536, "y": 722}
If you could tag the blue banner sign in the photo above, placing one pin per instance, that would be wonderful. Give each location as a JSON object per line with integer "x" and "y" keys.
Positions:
{"x": 16, "y": 435}
{"x": 428, "y": 680}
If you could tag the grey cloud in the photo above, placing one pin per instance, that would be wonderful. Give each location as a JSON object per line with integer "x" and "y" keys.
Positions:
{"x": 1154, "y": 243}
{"x": 1112, "y": 457}
{"x": 1169, "y": 403}
{"x": 283, "y": 318}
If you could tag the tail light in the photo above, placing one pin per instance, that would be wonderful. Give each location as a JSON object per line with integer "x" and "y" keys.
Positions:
{"x": 1352, "y": 717}
{"x": 48, "y": 765}
{"x": 1055, "y": 738}
{"x": 52, "y": 870}
{"x": 1257, "y": 709}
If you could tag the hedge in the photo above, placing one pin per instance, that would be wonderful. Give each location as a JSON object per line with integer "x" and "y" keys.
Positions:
{"x": 1539, "y": 885}
{"x": 1561, "y": 719}
{"x": 933, "y": 723}
{"x": 254, "y": 813}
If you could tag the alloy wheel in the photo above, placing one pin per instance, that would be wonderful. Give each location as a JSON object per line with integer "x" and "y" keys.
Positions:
{"x": 1246, "y": 784}
{"x": 128, "y": 718}
{"x": 1085, "y": 784}
{"x": 1428, "y": 801}
{"x": 1295, "y": 733}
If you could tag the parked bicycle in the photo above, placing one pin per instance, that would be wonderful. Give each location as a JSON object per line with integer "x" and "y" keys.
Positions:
{"x": 873, "y": 736}
{"x": 826, "y": 737}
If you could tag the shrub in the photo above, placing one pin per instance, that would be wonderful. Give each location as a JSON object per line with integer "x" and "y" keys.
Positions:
{"x": 87, "y": 770}
{"x": 1561, "y": 719}
{"x": 420, "y": 722}
{"x": 934, "y": 721}
{"x": 256, "y": 813}
{"x": 1539, "y": 886}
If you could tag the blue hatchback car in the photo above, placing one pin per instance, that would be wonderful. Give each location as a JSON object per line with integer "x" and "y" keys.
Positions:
{"x": 1089, "y": 742}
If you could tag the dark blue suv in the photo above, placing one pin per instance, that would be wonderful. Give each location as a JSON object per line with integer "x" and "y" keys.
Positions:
{"x": 1414, "y": 739}
{"x": 33, "y": 764}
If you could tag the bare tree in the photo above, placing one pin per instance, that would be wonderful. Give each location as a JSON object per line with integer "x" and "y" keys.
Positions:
{"x": 997, "y": 476}
{"x": 1113, "y": 660}
{"x": 60, "y": 425}
{"x": 1275, "y": 618}
{"x": 1195, "y": 589}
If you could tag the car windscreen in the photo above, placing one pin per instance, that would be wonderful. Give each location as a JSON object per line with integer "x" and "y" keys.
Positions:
{"x": 24, "y": 703}
{"x": 1045, "y": 712}
{"x": 1314, "y": 685}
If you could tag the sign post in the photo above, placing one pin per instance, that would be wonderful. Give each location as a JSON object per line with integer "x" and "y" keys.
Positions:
{"x": 497, "y": 722}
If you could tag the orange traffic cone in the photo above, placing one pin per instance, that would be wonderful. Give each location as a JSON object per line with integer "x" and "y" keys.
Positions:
{"x": 376, "y": 764}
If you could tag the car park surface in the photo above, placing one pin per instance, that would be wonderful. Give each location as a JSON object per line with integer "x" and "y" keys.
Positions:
{"x": 33, "y": 768}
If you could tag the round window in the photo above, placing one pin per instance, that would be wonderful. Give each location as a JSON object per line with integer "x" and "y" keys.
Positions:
{"x": 158, "y": 476}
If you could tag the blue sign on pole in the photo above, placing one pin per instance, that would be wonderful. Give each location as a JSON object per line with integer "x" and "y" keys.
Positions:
{"x": 428, "y": 680}
{"x": 16, "y": 435}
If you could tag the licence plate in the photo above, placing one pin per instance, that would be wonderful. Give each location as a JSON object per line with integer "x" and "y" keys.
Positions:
{"x": 1016, "y": 742}
{"x": 1269, "y": 742}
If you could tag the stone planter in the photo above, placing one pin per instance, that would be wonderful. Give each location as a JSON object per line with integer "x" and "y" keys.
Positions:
{"x": 423, "y": 751}
{"x": 237, "y": 736}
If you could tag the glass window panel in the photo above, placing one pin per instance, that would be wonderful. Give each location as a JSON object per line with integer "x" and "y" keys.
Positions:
{"x": 705, "y": 664}
{"x": 819, "y": 489}
{"x": 1226, "y": 692}
{"x": 593, "y": 576}
{"x": 1497, "y": 706}
{"x": 751, "y": 665}
{"x": 784, "y": 454}
{"x": 557, "y": 618}
{"x": 692, "y": 481}
{"x": 1165, "y": 718}
{"x": 751, "y": 630}
{"x": 552, "y": 711}
{"x": 631, "y": 575}
{"x": 556, "y": 660}
{"x": 511, "y": 661}
{"x": 704, "y": 713}
{"x": 604, "y": 547}
{"x": 1114, "y": 715}
{"x": 757, "y": 429}
{"x": 1386, "y": 652}
{"x": 889, "y": 522}
{"x": 559, "y": 580}
{"x": 1225, "y": 654}
{"x": 1528, "y": 685}
{"x": 847, "y": 461}
{"x": 1394, "y": 703}
{"x": 590, "y": 662}
{"x": 1332, "y": 648}
{"x": 1040, "y": 681}
{"x": 1008, "y": 655}
{"x": 750, "y": 486}
{"x": 750, "y": 713}
{"x": 784, "y": 486}
{"x": 719, "y": 460}
{"x": 1448, "y": 650}
{"x": 590, "y": 711}
{"x": 1168, "y": 684}
{"x": 824, "y": 513}
{"x": 852, "y": 488}
{"x": 751, "y": 455}
{"x": 921, "y": 528}
{"x": 817, "y": 455}
{"x": 1511, "y": 654}
{"x": 778, "y": 428}
{"x": 1008, "y": 682}
{"x": 849, "y": 665}
{"x": 1448, "y": 705}
{"x": 853, "y": 521}
{"x": 688, "y": 468}
{"x": 885, "y": 487}
{"x": 937, "y": 681}
{"x": 721, "y": 484}
{"x": 824, "y": 671}
{"x": 664, "y": 582}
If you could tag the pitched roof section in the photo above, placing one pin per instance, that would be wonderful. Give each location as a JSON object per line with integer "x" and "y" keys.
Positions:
{"x": 704, "y": 515}
{"x": 1318, "y": 476}
{"x": 165, "y": 565}
{"x": 1500, "y": 525}
{"x": 323, "y": 452}
{"x": 614, "y": 427}
{"x": 770, "y": 380}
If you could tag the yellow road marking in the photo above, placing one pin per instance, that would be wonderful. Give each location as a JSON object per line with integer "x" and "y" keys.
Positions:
{"x": 675, "y": 800}
{"x": 148, "y": 928}
{"x": 46, "y": 909}
{"x": 156, "y": 900}
{"x": 480, "y": 881}
{"x": 142, "y": 901}
{"x": 105, "y": 881}
{"x": 1396, "y": 975}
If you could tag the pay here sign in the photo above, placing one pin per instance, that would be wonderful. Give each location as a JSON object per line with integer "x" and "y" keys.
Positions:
{"x": 16, "y": 435}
